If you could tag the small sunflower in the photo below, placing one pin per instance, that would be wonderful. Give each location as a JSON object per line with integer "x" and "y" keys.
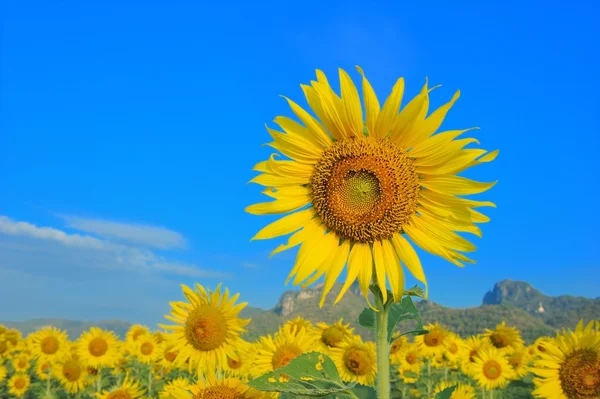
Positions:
{"x": 4, "y": 348}
{"x": 72, "y": 374}
{"x": 332, "y": 336}
{"x": 398, "y": 343}
{"x": 504, "y": 338}
{"x": 239, "y": 361}
{"x": 570, "y": 366}
{"x": 276, "y": 351}
{"x": 179, "y": 383}
{"x": 207, "y": 327}
{"x": 354, "y": 188}
{"x": 519, "y": 360}
{"x": 48, "y": 344}
{"x": 3, "y": 372}
{"x": 43, "y": 369}
{"x": 136, "y": 331}
{"x": 168, "y": 354}
{"x": 470, "y": 350}
{"x": 218, "y": 387}
{"x": 491, "y": 369}
{"x": 432, "y": 343}
{"x": 462, "y": 391}
{"x": 411, "y": 359}
{"x": 452, "y": 345}
{"x": 126, "y": 390}
{"x": 21, "y": 363}
{"x": 356, "y": 361}
{"x": 539, "y": 345}
{"x": 19, "y": 384}
{"x": 98, "y": 348}
{"x": 147, "y": 349}
{"x": 297, "y": 324}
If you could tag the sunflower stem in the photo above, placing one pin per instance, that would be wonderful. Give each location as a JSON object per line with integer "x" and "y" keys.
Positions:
{"x": 383, "y": 350}
{"x": 491, "y": 394}
{"x": 150, "y": 381}
{"x": 48, "y": 385}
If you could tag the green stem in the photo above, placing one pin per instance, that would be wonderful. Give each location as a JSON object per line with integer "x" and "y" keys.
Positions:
{"x": 482, "y": 393}
{"x": 383, "y": 350}
{"x": 48, "y": 385}
{"x": 150, "y": 381}
{"x": 446, "y": 373}
{"x": 491, "y": 396}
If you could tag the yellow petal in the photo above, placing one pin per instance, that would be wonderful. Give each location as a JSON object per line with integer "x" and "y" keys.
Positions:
{"x": 393, "y": 269}
{"x": 271, "y": 180}
{"x": 314, "y": 233}
{"x": 385, "y": 120}
{"x": 435, "y": 143}
{"x": 315, "y": 257}
{"x": 366, "y": 271}
{"x": 282, "y": 205}
{"x": 456, "y": 185}
{"x": 414, "y": 111}
{"x": 336, "y": 265}
{"x": 450, "y": 201}
{"x": 311, "y": 123}
{"x": 409, "y": 257}
{"x": 447, "y": 153}
{"x": 291, "y": 127}
{"x": 354, "y": 267}
{"x": 352, "y": 107}
{"x": 445, "y": 237}
{"x": 380, "y": 268}
{"x": 295, "y": 239}
{"x": 332, "y": 112}
{"x": 295, "y": 147}
{"x": 372, "y": 106}
{"x": 314, "y": 101}
{"x": 286, "y": 225}
{"x": 428, "y": 244}
{"x": 287, "y": 191}
{"x": 463, "y": 160}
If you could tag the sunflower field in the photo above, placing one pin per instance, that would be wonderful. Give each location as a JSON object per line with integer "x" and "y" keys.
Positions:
{"x": 203, "y": 355}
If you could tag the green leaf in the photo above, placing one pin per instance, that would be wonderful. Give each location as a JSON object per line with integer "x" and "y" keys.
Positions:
{"x": 410, "y": 374}
{"x": 367, "y": 319}
{"x": 404, "y": 310}
{"x": 311, "y": 374}
{"x": 446, "y": 393}
{"x": 415, "y": 291}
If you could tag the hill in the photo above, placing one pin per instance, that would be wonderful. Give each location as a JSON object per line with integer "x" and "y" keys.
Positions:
{"x": 518, "y": 303}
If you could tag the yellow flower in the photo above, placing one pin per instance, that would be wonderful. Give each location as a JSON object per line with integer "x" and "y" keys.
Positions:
{"x": 332, "y": 336}
{"x": 48, "y": 344}
{"x": 356, "y": 361}
{"x": 72, "y": 374}
{"x": 168, "y": 354}
{"x": 19, "y": 384}
{"x": 179, "y": 383}
{"x": 277, "y": 351}
{"x": 3, "y": 371}
{"x": 218, "y": 387}
{"x": 452, "y": 345}
{"x": 98, "y": 348}
{"x": 432, "y": 343}
{"x": 240, "y": 360}
{"x": 147, "y": 349}
{"x": 569, "y": 366}
{"x": 127, "y": 390}
{"x": 355, "y": 189}
{"x": 519, "y": 361}
{"x": 43, "y": 369}
{"x": 297, "y": 324}
{"x": 21, "y": 363}
{"x": 207, "y": 327}
{"x": 505, "y": 339}
{"x": 470, "y": 350}
{"x": 398, "y": 343}
{"x": 411, "y": 359}
{"x": 491, "y": 369}
{"x": 462, "y": 391}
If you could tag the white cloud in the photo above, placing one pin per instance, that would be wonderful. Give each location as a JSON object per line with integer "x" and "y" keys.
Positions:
{"x": 50, "y": 245}
{"x": 150, "y": 236}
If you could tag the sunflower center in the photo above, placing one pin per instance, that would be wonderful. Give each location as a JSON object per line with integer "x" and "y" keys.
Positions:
{"x": 357, "y": 361}
{"x": 433, "y": 339}
{"x": 136, "y": 334}
{"x": 498, "y": 340}
{"x": 170, "y": 356}
{"x": 284, "y": 354}
{"x": 98, "y": 346}
{"x": 119, "y": 394}
{"x": 364, "y": 189}
{"x": 411, "y": 358}
{"x": 515, "y": 359}
{"x": 218, "y": 392}
{"x": 233, "y": 363}
{"x": 146, "y": 348}
{"x": 492, "y": 369}
{"x": 71, "y": 370}
{"x": 92, "y": 371}
{"x": 49, "y": 345}
{"x": 473, "y": 355}
{"x": 332, "y": 336}
{"x": 206, "y": 328}
{"x": 453, "y": 348}
{"x": 396, "y": 345}
{"x": 22, "y": 364}
{"x": 20, "y": 383}
{"x": 579, "y": 375}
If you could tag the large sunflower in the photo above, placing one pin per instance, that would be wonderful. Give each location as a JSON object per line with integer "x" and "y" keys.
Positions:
{"x": 48, "y": 344}
{"x": 207, "y": 327}
{"x": 432, "y": 343}
{"x": 332, "y": 336}
{"x": 147, "y": 349}
{"x": 98, "y": 348}
{"x": 504, "y": 338}
{"x": 71, "y": 373}
{"x": 491, "y": 369}
{"x": 19, "y": 384}
{"x": 358, "y": 189}
{"x": 570, "y": 366}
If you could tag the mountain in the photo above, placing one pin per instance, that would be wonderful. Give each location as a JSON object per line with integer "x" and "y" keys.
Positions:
{"x": 518, "y": 303}
{"x": 557, "y": 312}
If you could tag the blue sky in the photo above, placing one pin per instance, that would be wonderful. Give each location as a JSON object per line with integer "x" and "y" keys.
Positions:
{"x": 129, "y": 130}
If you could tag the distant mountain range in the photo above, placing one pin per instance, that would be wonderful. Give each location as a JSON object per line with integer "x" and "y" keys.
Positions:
{"x": 521, "y": 305}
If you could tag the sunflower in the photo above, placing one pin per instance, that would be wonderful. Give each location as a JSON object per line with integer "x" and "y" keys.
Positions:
{"x": 470, "y": 349}
{"x": 43, "y": 369}
{"x": 147, "y": 349}
{"x": 356, "y": 189}
{"x": 126, "y": 390}
{"x": 539, "y": 345}
{"x": 72, "y": 374}
{"x": 273, "y": 352}
{"x": 48, "y": 344}
{"x": 4, "y": 348}
{"x": 356, "y": 360}
{"x": 398, "y": 343}
{"x": 570, "y": 366}
{"x": 168, "y": 354}
{"x": 207, "y": 327}
{"x": 331, "y": 336}
{"x": 98, "y": 348}
{"x": 505, "y": 339}
{"x": 239, "y": 361}
{"x": 411, "y": 359}
{"x": 432, "y": 343}
{"x": 452, "y": 344}
{"x": 519, "y": 360}
{"x": 462, "y": 391}
{"x": 297, "y": 324}
{"x": 218, "y": 387}
{"x": 21, "y": 363}
{"x": 179, "y": 383}
{"x": 3, "y": 372}
{"x": 19, "y": 384}
{"x": 491, "y": 369}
